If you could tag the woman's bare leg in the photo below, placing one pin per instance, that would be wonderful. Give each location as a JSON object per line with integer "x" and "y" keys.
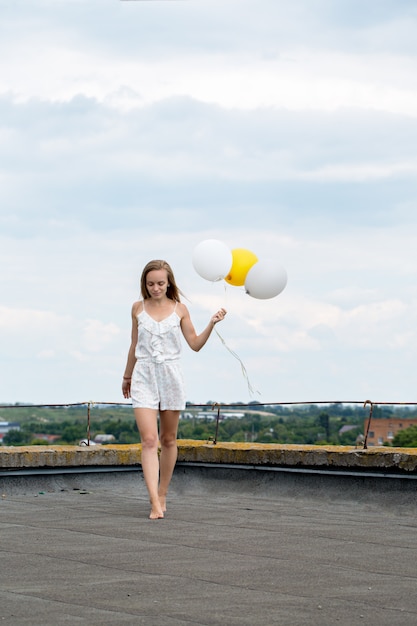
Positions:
{"x": 169, "y": 451}
{"x": 146, "y": 420}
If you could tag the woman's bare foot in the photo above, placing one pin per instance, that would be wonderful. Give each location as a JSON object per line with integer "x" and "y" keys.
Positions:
{"x": 157, "y": 511}
{"x": 156, "y": 514}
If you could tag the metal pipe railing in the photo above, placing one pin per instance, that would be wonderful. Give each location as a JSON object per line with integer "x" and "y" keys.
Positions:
{"x": 217, "y": 405}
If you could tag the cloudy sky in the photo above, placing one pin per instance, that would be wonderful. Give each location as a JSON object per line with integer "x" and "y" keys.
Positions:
{"x": 132, "y": 130}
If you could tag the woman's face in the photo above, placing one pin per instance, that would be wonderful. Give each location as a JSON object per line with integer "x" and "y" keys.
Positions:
{"x": 157, "y": 283}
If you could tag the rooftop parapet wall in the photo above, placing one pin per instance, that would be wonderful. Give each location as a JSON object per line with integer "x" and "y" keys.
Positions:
{"x": 381, "y": 459}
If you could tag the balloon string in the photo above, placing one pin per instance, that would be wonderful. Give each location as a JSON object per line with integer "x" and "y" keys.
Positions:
{"x": 252, "y": 391}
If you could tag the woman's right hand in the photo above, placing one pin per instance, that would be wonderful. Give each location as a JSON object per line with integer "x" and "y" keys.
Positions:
{"x": 126, "y": 388}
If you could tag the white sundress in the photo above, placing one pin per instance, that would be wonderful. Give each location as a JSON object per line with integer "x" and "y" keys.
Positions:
{"x": 157, "y": 378}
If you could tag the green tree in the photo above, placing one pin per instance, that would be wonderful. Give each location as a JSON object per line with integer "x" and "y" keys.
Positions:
{"x": 73, "y": 433}
{"x": 406, "y": 438}
{"x": 324, "y": 421}
{"x": 127, "y": 437}
{"x": 16, "y": 438}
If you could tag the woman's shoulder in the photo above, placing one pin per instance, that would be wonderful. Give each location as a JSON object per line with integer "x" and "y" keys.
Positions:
{"x": 181, "y": 309}
{"x": 137, "y": 307}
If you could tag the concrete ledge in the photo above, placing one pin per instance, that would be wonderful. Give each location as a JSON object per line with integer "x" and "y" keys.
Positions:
{"x": 292, "y": 456}
{"x": 68, "y": 456}
{"x": 382, "y": 459}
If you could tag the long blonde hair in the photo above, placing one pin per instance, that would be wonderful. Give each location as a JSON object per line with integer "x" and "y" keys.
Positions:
{"x": 173, "y": 293}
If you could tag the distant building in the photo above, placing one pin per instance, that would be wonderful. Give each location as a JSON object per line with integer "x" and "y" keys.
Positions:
{"x": 102, "y": 438}
{"x": 383, "y": 429}
{"x": 206, "y": 416}
{"x": 5, "y": 427}
{"x": 347, "y": 428}
{"x": 46, "y": 437}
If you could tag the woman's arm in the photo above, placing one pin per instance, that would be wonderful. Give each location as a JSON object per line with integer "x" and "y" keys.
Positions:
{"x": 131, "y": 359}
{"x": 196, "y": 342}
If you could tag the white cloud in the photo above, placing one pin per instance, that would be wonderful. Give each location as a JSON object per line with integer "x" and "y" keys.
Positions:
{"x": 299, "y": 80}
{"x": 251, "y": 63}
{"x": 46, "y": 354}
{"x": 46, "y": 334}
{"x": 357, "y": 172}
{"x": 97, "y": 335}
{"x": 14, "y": 320}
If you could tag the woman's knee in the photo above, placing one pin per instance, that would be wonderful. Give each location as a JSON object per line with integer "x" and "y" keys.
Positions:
{"x": 149, "y": 441}
{"x": 169, "y": 440}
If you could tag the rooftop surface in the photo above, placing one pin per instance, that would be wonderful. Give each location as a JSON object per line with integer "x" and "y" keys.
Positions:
{"x": 237, "y": 547}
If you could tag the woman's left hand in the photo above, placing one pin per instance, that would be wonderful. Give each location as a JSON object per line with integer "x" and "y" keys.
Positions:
{"x": 219, "y": 316}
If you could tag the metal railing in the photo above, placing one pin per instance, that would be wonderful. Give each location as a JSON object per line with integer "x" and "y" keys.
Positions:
{"x": 218, "y": 407}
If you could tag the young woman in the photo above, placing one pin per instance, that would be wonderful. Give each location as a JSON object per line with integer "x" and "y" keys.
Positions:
{"x": 153, "y": 376}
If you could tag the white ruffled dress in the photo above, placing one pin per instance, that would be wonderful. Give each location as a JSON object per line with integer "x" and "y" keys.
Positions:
{"x": 157, "y": 378}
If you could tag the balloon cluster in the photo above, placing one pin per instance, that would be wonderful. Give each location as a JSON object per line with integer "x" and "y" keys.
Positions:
{"x": 262, "y": 279}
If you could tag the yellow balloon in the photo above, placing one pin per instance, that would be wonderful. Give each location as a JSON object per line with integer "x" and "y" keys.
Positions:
{"x": 243, "y": 260}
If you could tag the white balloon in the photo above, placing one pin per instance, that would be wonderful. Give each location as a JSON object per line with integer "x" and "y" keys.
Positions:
{"x": 212, "y": 259}
{"x": 265, "y": 279}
